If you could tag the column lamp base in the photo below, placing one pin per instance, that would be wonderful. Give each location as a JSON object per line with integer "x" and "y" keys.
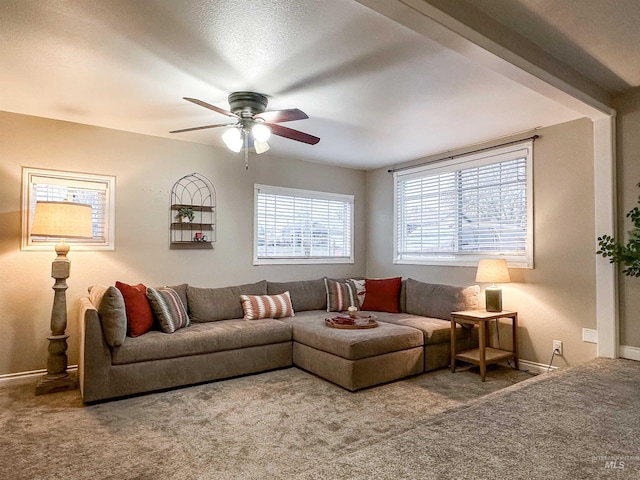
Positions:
{"x": 56, "y": 383}
{"x": 493, "y": 299}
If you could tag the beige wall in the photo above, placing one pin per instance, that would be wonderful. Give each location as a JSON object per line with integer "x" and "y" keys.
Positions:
{"x": 628, "y": 174}
{"x": 146, "y": 168}
{"x": 557, "y": 298}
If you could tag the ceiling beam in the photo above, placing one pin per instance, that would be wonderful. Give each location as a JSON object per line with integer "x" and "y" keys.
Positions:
{"x": 463, "y": 28}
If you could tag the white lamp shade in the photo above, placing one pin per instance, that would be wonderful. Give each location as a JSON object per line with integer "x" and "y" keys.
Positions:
{"x": 261, "y": 132}
{"x": 235, "y": 146}
{"x": 62, "y": 220}
{"x": 231, "y": 137}
{"x": 260, "y": 147}
{"x": 493, "y": 271}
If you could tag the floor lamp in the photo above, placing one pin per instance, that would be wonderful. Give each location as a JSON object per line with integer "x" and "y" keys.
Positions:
{"x": 60, "y": 220}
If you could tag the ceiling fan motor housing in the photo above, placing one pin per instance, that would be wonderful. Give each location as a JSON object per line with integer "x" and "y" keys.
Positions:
{"x": 247, "y": 104}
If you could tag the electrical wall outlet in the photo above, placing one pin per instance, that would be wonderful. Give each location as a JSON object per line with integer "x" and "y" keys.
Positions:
{"x": 557, "y": 347}
{"x": 589, "y": 335}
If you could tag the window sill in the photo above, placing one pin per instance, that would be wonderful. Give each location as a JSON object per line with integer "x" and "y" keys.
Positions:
{"x": 302, "y": 261}
{"x": 462, "y": 262}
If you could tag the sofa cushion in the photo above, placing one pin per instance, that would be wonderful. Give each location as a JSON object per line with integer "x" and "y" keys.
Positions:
{"x": 435, "y": 330}
{"x": 109, "y": 303}
{"x": 213, "y": 304}
{"x": 201, "y": 338}
{"x": 309, "y": 329}
{"x": 438, "y": 301}
{"x": 168, "y": 309}
{"x": 382, "y": 295}
{"x": 266, "y": 306}
{"x": 305, "y": 294}
{"x": 139, "y": 314}
{"x": 340, "y": 295}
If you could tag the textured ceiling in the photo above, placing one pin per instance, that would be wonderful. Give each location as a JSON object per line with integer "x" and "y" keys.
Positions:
{"x": 376, "y": 92}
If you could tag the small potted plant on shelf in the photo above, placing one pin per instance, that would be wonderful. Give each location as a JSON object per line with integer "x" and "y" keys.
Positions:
{"x": 186, "y": 214}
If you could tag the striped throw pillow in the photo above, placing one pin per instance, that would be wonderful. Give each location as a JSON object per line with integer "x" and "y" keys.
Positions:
{"x": 168, "y": 309}
{"x": 267, "y": 306}
{"x": 340, "y": 295}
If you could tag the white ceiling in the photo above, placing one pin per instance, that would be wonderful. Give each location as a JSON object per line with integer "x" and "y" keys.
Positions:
{"x": 598, "y": 38}
{"x": 376, "y": 92}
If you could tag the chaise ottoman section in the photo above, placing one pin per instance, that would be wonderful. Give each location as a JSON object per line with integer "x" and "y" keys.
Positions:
{"x": 437, "y": 336}
{"x": 355, "y": 359}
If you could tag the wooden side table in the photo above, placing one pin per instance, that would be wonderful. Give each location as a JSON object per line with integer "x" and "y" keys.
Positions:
{"x": 485, "y": 354}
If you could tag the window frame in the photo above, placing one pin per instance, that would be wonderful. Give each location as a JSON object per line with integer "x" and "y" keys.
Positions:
{"x": 107, "y": 183}
{"x": 307, "y": 194}
{"x": 486, "y": 157}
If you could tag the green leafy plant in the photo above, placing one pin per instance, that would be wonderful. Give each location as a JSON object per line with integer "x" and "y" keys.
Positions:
{"x": 626, "y": 255}
{"x": 186, "y": 212}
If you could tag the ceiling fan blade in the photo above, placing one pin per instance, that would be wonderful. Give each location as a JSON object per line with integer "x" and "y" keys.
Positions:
{"x": 278, "y": 116}
{"x": 202, "y": 128}
{"x": 211, "y": 107}
{"x": 293, "y": 134}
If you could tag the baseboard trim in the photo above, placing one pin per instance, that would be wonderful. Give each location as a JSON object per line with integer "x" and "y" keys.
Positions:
{"x": 535, "y": 367}
{"x": 23, "y": 378}
{"x": 630, "y": 353}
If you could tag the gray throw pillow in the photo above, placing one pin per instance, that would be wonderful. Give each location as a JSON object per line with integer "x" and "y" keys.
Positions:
{"x": 438, "y": 301}
{"x": 212, "y": 304}
{"x": 340, "y": 295}
{"x": 168, "y": 309}
{"x": 181, "y": 290}
{"x": 113, "y": 316}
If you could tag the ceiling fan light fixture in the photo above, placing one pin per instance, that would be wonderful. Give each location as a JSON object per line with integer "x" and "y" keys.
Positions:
{"x": 261, "y": 132}
{"x": 260, "y": 147}
{"x": 235, "y": 146}
{"x": 232, "y": 138}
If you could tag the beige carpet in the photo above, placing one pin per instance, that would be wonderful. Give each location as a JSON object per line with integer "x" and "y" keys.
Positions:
{"x": 578, "y": 423}
{"x": 275, "y": 424}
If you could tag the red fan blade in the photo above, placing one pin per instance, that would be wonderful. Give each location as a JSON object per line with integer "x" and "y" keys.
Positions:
{"x": 278, "y": 116}
{"x": 292, "y": 134}
{"x": 202, "y": 128}
{"x": 211, "y": 107}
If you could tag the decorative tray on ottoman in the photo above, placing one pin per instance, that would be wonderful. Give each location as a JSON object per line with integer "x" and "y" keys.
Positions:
{"x": 346, "y": 322}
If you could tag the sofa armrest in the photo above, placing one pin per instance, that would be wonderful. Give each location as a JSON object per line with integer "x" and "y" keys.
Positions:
{"x": 95, "y": 354}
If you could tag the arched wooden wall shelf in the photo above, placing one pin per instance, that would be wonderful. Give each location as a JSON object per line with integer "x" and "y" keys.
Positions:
{"x": 196, "y": 194}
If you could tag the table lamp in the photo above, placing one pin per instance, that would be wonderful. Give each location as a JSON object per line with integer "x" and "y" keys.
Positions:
{"x": 60, "y": 220}
{"x": 493, "y": 271}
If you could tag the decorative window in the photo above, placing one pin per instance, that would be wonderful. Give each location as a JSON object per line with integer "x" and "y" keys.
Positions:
{"x": 301, "y": 226}
{"x": 460, "y": 210}
{"x": 52, "y": 185}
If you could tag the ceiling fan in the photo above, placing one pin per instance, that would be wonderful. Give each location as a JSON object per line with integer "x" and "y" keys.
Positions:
{"x": 253, "y": 123}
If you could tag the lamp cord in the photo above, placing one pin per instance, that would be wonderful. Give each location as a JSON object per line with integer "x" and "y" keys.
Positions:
{"x": 551, "y": 361}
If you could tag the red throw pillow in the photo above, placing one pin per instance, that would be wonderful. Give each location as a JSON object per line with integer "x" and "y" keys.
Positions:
{"x": 139, "y": 315}
{"x": 383, "y": 295}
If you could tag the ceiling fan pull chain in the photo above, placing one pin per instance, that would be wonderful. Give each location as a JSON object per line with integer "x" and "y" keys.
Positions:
{"x": 246, "y": 151}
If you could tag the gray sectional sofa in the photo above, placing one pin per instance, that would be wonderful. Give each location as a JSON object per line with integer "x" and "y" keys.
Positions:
{"x": 220, "y": 344}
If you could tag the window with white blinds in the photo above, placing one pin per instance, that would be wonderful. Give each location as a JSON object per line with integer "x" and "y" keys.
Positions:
{"x": 51, "y": 185}
{"x": 302, "y": 226}
{"x": 460, "y": 210}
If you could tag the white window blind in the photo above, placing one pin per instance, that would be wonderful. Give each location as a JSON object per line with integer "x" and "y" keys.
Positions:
{"x": 458, "y": 211}
{"x": 302, "y": 226}
{"x": 94, "y": 190}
